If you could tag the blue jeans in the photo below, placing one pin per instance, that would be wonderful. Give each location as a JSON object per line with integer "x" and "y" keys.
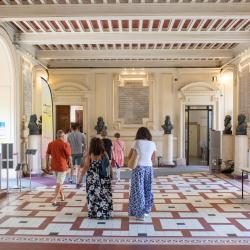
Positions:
{"x": 141, "y": 196}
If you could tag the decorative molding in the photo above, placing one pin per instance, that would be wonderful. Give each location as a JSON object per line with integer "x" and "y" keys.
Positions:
{"x": 68, "y": 87}
{"x": 153, "y": 241}
{"x": 198, "y": 89}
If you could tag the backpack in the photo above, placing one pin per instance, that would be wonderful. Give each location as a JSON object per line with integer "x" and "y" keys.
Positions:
{"x": 104, "y": 170}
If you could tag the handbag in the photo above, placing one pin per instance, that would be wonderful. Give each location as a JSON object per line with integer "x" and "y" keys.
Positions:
{"x": 133, "y": 161}
{"x": 105, "y": 167}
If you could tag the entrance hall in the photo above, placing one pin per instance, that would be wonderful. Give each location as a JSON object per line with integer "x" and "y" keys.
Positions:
{"x": 136, "y": 111}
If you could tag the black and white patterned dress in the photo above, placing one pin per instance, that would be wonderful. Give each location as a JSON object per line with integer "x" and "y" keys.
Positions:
{"x": 99, "y": 193}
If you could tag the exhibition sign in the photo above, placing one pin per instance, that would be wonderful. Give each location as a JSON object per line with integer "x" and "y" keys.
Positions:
{"x": 3, "y": 132}
{"x": 47, "y": 117}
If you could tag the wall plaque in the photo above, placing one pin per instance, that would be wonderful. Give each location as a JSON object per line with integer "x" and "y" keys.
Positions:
{"x": 133, "y": 102}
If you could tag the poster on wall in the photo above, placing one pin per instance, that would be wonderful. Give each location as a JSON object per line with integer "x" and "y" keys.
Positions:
{"x": 3, "y": 131}
{"x": 47, "y": 118}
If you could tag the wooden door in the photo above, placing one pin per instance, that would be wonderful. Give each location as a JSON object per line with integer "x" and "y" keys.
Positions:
{"x": 63, "y": 117}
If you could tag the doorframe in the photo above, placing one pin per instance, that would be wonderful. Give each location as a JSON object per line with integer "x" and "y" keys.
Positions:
{"x": 72, "y": 94}
{"x": 198, "y": 94}
{"x": 85, "y": 118}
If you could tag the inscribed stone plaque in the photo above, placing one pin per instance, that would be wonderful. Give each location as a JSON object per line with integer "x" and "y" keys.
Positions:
{"x": 133, "y": 102}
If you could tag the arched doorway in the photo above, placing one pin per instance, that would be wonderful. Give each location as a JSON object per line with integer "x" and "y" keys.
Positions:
{"x": 199, "y": 95}
{"x": 8, "y": 98}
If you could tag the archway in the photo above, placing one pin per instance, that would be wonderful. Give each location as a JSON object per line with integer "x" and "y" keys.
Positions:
{"x": 8, "y": 97}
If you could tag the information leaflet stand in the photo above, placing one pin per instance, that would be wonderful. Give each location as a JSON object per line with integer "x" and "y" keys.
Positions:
{"x": 6, "y": 162}
{"x": 30, "y": 153}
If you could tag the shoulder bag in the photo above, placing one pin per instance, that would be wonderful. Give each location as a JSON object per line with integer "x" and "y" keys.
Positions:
{"x": 133, "y": 161}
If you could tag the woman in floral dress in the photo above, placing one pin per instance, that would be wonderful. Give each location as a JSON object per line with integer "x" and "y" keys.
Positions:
{"x": 98, "y": 188}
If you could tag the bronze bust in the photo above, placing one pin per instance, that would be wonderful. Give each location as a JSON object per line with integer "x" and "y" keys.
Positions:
{"x": 227, "y": 125}
{"x": 242, "y": 125}
{"x": 100, "y": 126}
{"x": 167, "y": 126}
{"x": 33, "y": 126}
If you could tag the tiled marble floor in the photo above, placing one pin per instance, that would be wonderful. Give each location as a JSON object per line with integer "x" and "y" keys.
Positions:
{"x": 193, "y": 209}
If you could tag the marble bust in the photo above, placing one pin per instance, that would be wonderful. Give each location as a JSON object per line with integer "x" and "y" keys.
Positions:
{"x": 242, "y": 125}
{"x": 227, "y": 125}
{"x": 167, "y": 126}
{"x": 100, "y": 126}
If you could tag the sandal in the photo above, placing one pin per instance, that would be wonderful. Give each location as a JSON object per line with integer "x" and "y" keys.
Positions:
{"x": 46, "y": 171}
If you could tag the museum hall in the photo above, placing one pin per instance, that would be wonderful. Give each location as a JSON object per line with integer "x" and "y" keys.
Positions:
{"x": 124, "y": 124}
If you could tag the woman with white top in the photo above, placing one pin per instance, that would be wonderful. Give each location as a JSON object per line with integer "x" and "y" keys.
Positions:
{"x": 141, "y": 196}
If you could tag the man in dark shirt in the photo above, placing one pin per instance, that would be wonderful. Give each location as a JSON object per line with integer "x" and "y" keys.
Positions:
{"x": 77, "y": 142}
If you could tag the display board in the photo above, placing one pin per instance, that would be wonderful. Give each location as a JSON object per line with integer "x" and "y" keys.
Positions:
{"x": 47, "y": 117}
{"x": 133, "y": 102}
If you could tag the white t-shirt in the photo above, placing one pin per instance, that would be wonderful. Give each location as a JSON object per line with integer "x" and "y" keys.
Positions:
{"x": 144, "y": 149}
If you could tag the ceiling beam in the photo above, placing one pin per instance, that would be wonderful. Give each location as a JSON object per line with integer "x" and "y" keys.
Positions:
{"x": 134, "y": 64}
{"x": 147, "y": 10}
{"x": 133, "y": 37}
{"x": 131, "y": 54}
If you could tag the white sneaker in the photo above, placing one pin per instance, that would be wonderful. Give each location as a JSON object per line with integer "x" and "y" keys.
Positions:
{"x": 146, "y": 214}
{"x": 140, "y": 218}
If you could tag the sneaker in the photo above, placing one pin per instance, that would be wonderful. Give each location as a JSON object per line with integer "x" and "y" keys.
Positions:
{"x": 140, "y": 218}
{"x": 78, "y": 186}
{"x": 146, "y": 215}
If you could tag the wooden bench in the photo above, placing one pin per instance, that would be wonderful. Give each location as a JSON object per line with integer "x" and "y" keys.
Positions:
{"x": 243, "y": 170}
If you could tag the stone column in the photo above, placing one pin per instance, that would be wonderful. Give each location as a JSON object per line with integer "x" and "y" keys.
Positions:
{"x": 168, "y": 149}
{"x": 35, "y": 161}
{"x": 227, "y": 147}
{"x": 240, "y": 154}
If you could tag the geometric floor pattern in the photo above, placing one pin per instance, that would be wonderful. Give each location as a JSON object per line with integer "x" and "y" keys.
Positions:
{"x": 193, "y": 208}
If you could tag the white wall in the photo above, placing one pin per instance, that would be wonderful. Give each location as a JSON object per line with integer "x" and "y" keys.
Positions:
{"x": 7, "y": 94}
{"x": 94, "y": 90}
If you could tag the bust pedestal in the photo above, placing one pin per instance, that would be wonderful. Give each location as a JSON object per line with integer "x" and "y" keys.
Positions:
{"x": 168, "y": 149}
{"x": 240, "y": 154}
{"x": 35, "y": 161}
{"x": 227, "y": 147}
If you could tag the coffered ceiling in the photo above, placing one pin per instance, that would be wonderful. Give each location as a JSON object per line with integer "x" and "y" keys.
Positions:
{"x": 129, "y": 33}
